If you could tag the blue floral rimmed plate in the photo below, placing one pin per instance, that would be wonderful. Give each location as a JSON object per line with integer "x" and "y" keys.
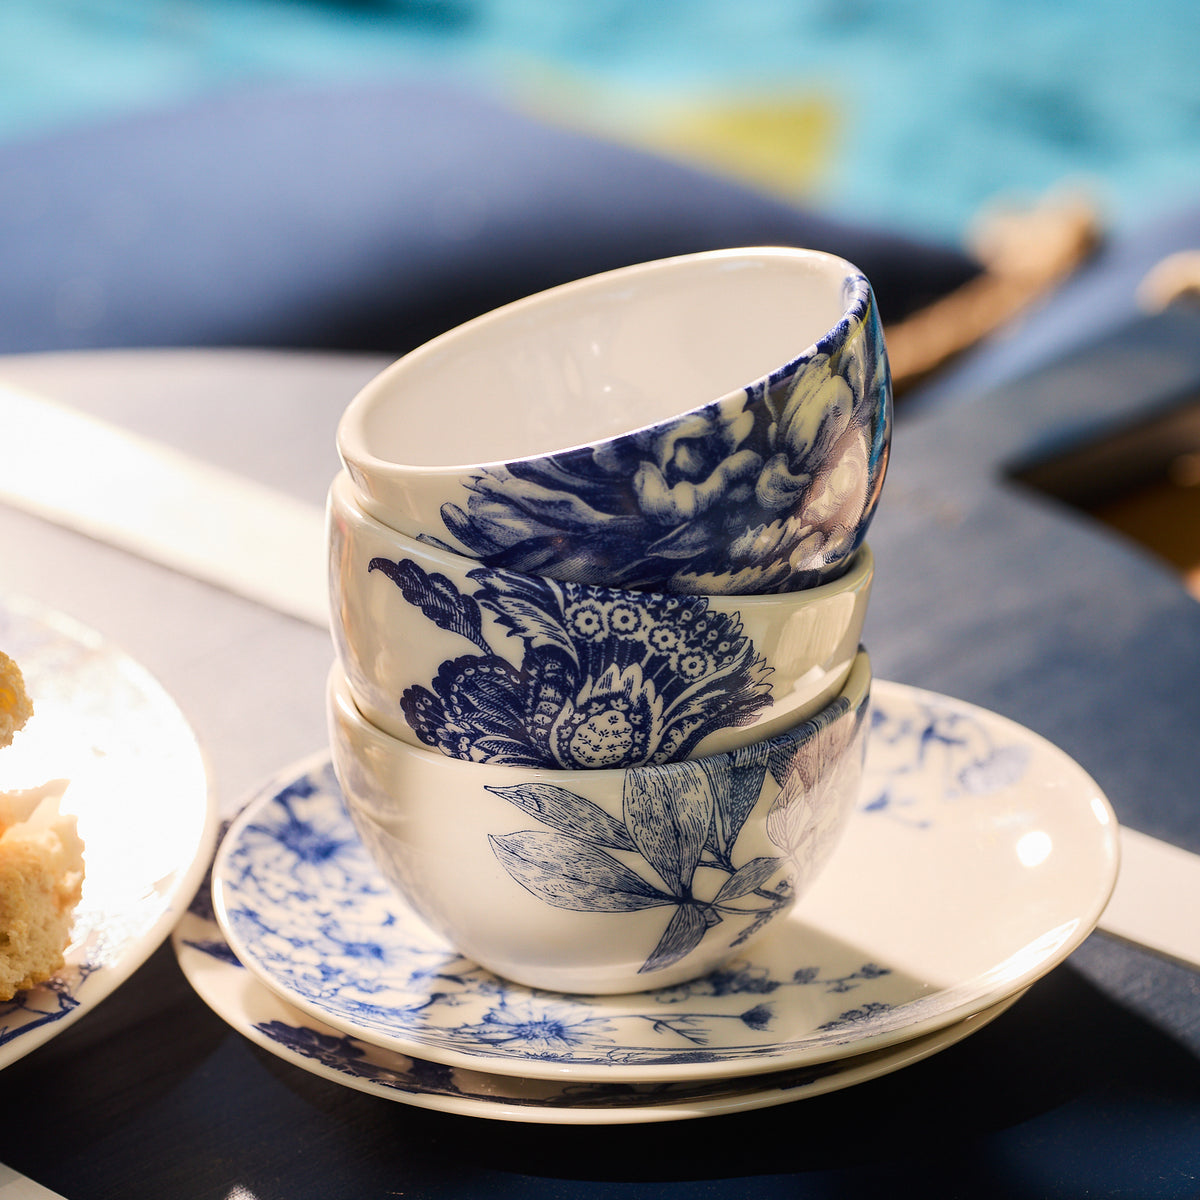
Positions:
{"x": 979, "y": 857}
{"x": 255, "y": 1011}
{"x": 139, "y": 789}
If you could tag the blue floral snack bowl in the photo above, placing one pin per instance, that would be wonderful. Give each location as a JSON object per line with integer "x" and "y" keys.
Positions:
{"x": 489, "y": 665}
{"x": 604, "y": 881}
{"x": 711, "y": 424}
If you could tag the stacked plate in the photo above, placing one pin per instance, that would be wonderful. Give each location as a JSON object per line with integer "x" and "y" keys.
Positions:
{"x": 979, "y": 857}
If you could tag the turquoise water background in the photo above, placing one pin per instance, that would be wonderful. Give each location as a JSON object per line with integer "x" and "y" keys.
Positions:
{"x": 939, "y": 106}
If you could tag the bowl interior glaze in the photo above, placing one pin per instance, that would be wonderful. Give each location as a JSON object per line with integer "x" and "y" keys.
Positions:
{"x": 598, "y": 358}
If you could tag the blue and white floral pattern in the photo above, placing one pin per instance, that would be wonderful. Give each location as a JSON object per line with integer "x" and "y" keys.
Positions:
{"x": 355, "y": 955}
{"x": 771, "y": 495}
{"x": 682, "y": 821}
{"x": 211, "y": 967}
{"x": 952, "y": 745}
{"x": 803, "y": 995}
{"x": 303, "y": 904}
{"x": 601, "y": 679}
{"x": 311, "y": 1045}
{"x": 415, "y": 1076}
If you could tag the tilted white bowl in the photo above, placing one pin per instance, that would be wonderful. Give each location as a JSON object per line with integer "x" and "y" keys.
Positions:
{"x": 711, "y": 423}
{"x": 604, "y": 881}
{"x": 494, "y": 666}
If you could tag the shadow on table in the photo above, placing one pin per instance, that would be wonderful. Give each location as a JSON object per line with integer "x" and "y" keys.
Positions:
{"x": 152, "y": 1095}
{"x": 1065, "y": 1088}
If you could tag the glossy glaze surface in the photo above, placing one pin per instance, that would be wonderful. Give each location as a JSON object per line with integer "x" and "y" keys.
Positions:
{"x": 604, "y": 880}
{"x": 713, "y": 423}
{"x": 286, "y": 1032}
{"x": 491, "y": 666}
{"x": 978, "y": 858}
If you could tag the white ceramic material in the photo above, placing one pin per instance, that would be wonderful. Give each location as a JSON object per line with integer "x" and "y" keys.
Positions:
{"x": 608, "y": 880}
{"x": 496, "y": 667}
{"x": 978, "y": 858}
{"x": 270, "y": 1022}
{"x": 713, "y": 423}
{"x": 139, "y": 789}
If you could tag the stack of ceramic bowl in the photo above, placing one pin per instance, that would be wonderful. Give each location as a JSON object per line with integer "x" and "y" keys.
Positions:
{"x": 599, "y": 704}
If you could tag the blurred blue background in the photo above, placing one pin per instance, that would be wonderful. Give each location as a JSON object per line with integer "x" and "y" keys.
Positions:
{"x": 908, "y": 113}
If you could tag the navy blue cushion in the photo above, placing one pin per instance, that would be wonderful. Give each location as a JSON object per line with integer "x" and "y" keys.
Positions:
{"x": 363, "y": 218}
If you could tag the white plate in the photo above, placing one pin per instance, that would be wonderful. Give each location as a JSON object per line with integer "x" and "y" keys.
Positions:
{"x": 255, "y": 1011}
{"x": 139, "y": 788}
{"x": 980, "y": 856}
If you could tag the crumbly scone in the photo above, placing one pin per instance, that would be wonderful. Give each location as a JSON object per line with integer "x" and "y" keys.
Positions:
{"x": 15, "y": 706}
{"x": 41, "y": 881}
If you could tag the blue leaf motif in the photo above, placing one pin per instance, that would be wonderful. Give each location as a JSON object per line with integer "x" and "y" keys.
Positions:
{"x": 568, "y": 873}
{"x": 436, "y": 596}
{"x": 529, "y": 609}
{"x": 480, "y": 693}
{"x": 669, "y": 812}
{"x": 668, "y": 508}
{"x": 786, "y": 754}
{"x": 600, "y": 679}
{"x": 567, "y": 812}
{"x": 801, "y": 752}
{"x": 759, "y": 1017}
{"x": 737, "y": 780}
{"x": 683, "y": 934}
{"x": 748, "y": 878}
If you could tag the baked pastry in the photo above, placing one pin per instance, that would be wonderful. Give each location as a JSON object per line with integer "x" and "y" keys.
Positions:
{"x": 41, "y": 862}
{"x": 15, "y": 707}
{"x": 41, "y": 880}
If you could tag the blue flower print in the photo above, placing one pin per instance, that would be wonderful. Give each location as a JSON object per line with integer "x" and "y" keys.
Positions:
{"x": 953, "y": 747}
{"x": 313, "y": 848}
{"x": 774, "y": 495}
{"x": 675, "y": 846}
{"x": 601, "y": 680}
{"x": 542, "y": 1029}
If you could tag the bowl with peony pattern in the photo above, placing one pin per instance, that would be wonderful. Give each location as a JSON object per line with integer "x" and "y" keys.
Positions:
{"x": 714, "y": 423}
{"x": 604, "y": 881}
{"x": 489, "y": 665}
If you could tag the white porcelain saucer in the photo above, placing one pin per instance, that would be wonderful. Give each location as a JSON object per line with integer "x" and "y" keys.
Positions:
{"x": 139, "y": 789}
{"x": 980, "y": 856}
{"x": 255, "y": 1011}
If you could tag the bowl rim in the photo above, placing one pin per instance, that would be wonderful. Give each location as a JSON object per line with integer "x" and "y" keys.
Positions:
{"x": 858, "y": 574}
{"x": 352, "y": 439}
